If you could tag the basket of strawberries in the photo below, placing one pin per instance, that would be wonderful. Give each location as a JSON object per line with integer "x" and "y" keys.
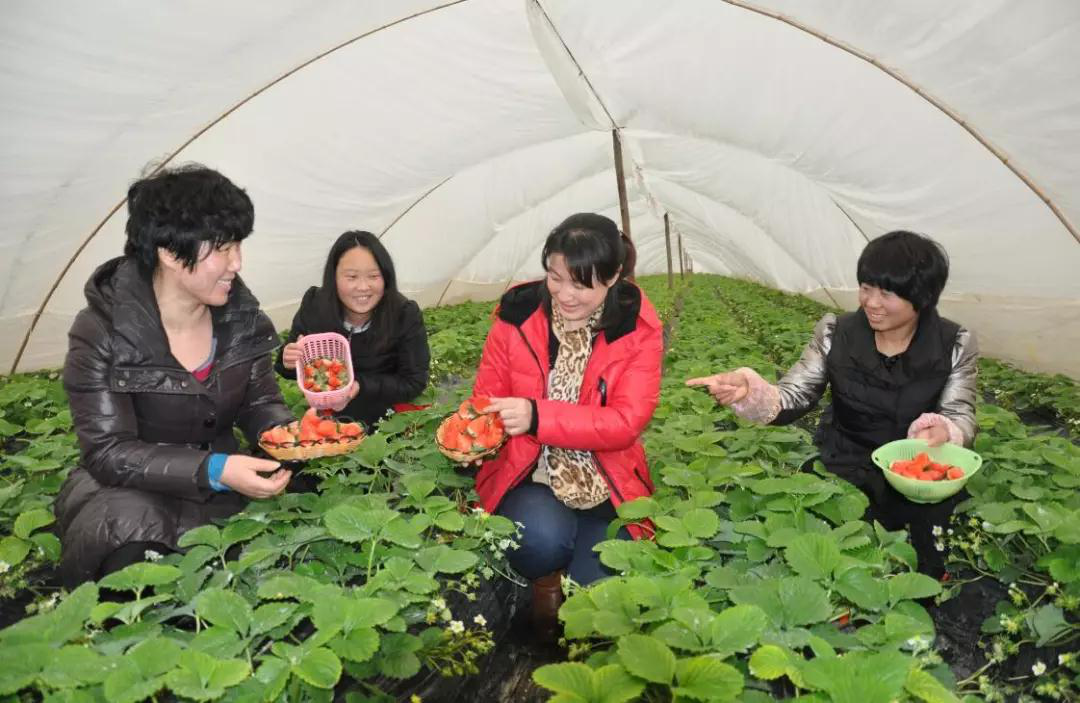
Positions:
{"x": 324, "y": 371}
{"x": 311, "y": 437}
{"x": 925, "y": 474}
{"x": 472, "y": 433}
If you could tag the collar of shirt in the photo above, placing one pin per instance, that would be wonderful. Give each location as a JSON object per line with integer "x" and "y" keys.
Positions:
{"x": 356, "y": 329}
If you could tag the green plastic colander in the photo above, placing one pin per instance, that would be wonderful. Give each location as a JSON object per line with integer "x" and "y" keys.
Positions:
{"x": 926, "y": 491}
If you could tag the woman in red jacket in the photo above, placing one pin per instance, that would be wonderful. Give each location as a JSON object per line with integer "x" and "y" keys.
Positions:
{"x": 572, "y": 364}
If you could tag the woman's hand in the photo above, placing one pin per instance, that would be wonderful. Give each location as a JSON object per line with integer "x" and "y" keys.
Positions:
{"x": 292, "y": 353}
{"x": 243, "y": 474}
{"x": 354, "y": 390}
{"x": 935, "y": 435}
{"x": 727, "y": 388}
{"x": 515, "y": 413}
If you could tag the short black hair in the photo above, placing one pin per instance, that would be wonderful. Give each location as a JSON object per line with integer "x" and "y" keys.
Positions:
{"x": 911, "y": 265}
{"x": 180, "y": 208}
{"x": 592, "y": 243}
{"x": 386, "y": 316}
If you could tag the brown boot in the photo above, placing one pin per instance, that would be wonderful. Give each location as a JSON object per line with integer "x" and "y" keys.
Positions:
{"x": 546, "y": 598}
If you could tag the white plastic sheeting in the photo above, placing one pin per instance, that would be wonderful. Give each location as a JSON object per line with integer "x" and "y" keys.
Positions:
{"x": 463, "y": 131}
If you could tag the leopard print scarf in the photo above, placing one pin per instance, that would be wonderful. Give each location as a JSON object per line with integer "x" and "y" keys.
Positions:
{"x": 571, "y": 473}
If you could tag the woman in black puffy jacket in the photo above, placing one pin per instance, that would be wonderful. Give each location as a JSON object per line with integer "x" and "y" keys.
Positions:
{"x": 359, "y": 299}
{"x": 170, "y": 353}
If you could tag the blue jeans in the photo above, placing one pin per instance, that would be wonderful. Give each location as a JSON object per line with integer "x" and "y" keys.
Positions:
{"x": 555, "y": 536}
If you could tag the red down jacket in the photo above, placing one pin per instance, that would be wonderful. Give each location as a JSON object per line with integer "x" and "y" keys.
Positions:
{"x": 619, "y": 393}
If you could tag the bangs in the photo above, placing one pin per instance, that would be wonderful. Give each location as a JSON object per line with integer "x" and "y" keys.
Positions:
{"x": 587, "y": 257}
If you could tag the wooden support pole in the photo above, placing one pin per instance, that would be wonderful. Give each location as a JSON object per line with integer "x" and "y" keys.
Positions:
{"x": 624, "y": 206}
{"x": 667, "y": 245}
{"x": 682, "y": 270}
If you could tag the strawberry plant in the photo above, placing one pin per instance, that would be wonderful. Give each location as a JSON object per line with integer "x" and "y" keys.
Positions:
{"x": 763, "y": 581}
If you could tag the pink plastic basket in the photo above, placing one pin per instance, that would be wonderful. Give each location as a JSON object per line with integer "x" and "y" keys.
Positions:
{"x": 329, "y": 345}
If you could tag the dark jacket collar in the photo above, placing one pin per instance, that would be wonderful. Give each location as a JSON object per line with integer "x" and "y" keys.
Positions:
{"x": 520, "y": 302}
{"x": 124, "y": 297}
{"x": 925, "y": 353}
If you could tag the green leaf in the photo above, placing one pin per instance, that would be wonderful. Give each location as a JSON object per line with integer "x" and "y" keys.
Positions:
{"x": 13, "y": 550}
{"x": 140, "y": 575}
{"x": 240, "y": 531}
{"x": 48, "y": 543}
{"x": 803, "y": 602}
{"x": 858, "y": 677}
{"x": 905, "y": 553}
{"x": 637, "y": 509}
{"x": 1063, "y": 563}
{"x": 708, "y": 679}
{"x": 769, "y": 662}
{"x": 74, "y": 695}
{"x": 270, "y": 615}
{"x": 202, "y": 677}
{"x": 127, "y": 611}
{"x": 205, "y": 534}
{"x": 154, "y": 655}
{"x": 229, "y": 672}
{"x": 218, "y": 642}
{"x": 701, "y": 523}
{"x": 1048, "y": 621}
{"x": 367, "y": 612}
{"x": 736, "y": 629}
{"x": 926, "y": 688}
{"x": 320, "y": 667}
{"x": 814, "y": 556}
{"x": 224, "y": 609}
{"x": 288, "y": 586}
{"x": 75, "y": 666}
{"x": 863, "y": 589}
{"x": 647, "y": 658}
{"x": 1046, "y": 519}
{"x": 127, "y": 685}
{"x": 451, "y": 521}
{"x": 397, "y": 656}
{"x": 443, "y": 559}
{"x": 358, "y": 646}
{"x": 31, "y": 520}
{"x": 612, "y": 684}
{"x": 569, "y": 678}
{"x": 912, "y": 586}
{"x": 372, "y": 451}
{"x": 21, "y": 666}
{"x": 350, "y": 523}
{"x": 402, "y": 532}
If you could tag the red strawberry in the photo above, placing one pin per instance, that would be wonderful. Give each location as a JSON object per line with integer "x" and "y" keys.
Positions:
{"x": 462, "y": 442}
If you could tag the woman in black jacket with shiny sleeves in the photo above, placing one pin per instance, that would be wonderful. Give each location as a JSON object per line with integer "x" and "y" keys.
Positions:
{"x": 895, "y": 369}
{"x": 359, "y": 299}
{"x": 170, "y": 353}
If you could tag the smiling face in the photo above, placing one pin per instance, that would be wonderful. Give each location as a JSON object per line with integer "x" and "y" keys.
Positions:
{"x": 360, "y": 284}
{"x": 211, "y": 279}
{"x": 576, "y": 302}
{"x": 885, "y": 310}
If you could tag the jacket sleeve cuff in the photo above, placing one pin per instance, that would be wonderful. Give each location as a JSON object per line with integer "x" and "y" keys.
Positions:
{"x": 215, "y": 465}
{"x": 762, "y": 402}
{"x": 534, "y": 423}
{"x": 927, "y": 420}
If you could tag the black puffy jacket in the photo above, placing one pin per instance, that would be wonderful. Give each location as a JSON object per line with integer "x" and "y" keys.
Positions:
{"x": 146, "y": 426}
{"x": 395, "y": 371}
